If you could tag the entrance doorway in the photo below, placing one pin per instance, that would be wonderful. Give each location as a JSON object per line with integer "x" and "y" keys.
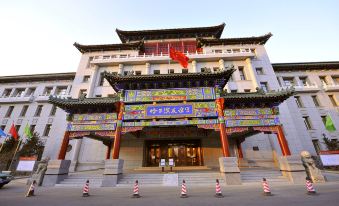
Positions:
{"x": 184, "y": 152}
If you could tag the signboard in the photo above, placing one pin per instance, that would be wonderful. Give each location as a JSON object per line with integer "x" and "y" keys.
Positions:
{"x": 171, "y": 162}
{"x": 169, "y": 110}
{"x": 162, "y": 163}
{"x": 26, "y": 164}
{"x": 330, "y": 159}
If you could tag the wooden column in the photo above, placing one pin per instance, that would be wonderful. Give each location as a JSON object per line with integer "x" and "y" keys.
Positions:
{"x": 64, "y": 144}
{"x": 116, "y": 146}
{"x": 285, "y": 150}
{"x": 222, "y": 127}
{"x": 240, "y": 154}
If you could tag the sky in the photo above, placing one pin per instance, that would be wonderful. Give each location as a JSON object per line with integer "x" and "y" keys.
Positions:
{"x": 37, "y": 36}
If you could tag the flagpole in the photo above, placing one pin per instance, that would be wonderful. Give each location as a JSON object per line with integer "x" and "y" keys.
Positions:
{"x": 2, "y": 145}
{"x": 16, "y": 150}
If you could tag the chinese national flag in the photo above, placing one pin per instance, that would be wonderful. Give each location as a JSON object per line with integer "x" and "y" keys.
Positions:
{"x": 13, "y": 132}
{"x": 180, "y": 57}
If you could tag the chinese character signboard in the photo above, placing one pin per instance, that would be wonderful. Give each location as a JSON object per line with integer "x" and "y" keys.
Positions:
{"x": 169, "y": 110}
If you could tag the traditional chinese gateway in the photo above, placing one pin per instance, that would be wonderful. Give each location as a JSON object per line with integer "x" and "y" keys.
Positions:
{"x": 156, "y": 110}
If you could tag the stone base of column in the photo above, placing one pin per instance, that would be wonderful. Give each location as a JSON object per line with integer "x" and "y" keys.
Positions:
{"x": 230, "y": 170}
{"x": 292, "y": 168}
{"x": 112, "y": 172}
{"x": 57, "y": 170}
{"x": 73, "y": 166}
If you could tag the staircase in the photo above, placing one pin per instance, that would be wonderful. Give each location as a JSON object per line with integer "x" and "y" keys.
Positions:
{"x": 77, "y": 180}
{"x": 145, "y": 179}
{"x": 256, "y": 176}
{"x": 200, "y": 178}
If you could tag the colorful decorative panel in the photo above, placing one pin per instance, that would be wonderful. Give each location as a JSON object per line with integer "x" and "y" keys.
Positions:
{"x": 192, "y": 109}
{"x": 94, "y": 117}
{"x": 90, "y": 127}
{"x": 169, "y": 94}
{"x": 250, "y": 112}
{"x": 252, "y": 122}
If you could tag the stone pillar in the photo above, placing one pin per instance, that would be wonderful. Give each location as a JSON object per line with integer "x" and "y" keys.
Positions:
{"x": 148, "y": 68}
{"x": 252, "y": 73}
{"x": 194, "y": 66}
{"x": 116, "y": 146}
{"x": 221, "y": 64}
{"x": 92, "y": 84}
{"x": 57, "y": 170}
{"x": 292, "y": 168}
{"x": 230, "y": 170}
{"x": 75, "y": 156}
{"x": 121, "y": 69}
{"x": 112, "y": 172}
{"x": 285, "y": 150}
{"x": 63, "y": 148}
{"x": 222, "y": 127}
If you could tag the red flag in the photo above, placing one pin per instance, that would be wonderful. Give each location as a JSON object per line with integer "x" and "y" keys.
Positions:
{"x": 180, "y": 57}
{"x": 13, "y": 132}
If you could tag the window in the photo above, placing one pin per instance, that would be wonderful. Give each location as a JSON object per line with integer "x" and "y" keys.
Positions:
{"x": 125, "y": 73}
{"x": 156, "y": 72}
{"x": 6, "y": 92}
{"x": 102, "y": 79}
{"x": 30, "y": 92}
{"x": 316, "y": 145}
{"x": 24, "y": 110}
{"x": 255, "y": 148}
{"x": 315, "y": 100}
{"x": 19, "y": 92}
{"x": 298, "y": 101}
{"x": 288, "y": 82}
{"x": 241, "y": 72}
{"x": 61, "y": 91}
{"x": 38, "y": 111}
{"x": 323, "y": 80}
{"x": 333, "y": 100}
{"x": 184, "y": 71}
{"x": 323, "y": 118}
{"x": 3, "y": 127}
{"x": 53, "y": 110}
{"x": 247, "y": 90}
{"x": 336, "y": 80}
{"x": 89, "y": 62}
{"x": 47, "y": 130}
{"x": 234, "y": 91}
{"x": 48, "y": 91}
{"x": 86, "y": 78}
{"x": 264, "y": 86}
{"x": 17, "y": 128}
{"x": 82, "y": 91}
{"x": 216, "y": 69}
{"x": 98, "y": 95}
{"x": 171, "y": 71}
{"x": 304, "y": 81}
{"x": 111, "y": 95}
{"x": 259, "y": 70}
{"x": 32, "y": 128}
{"x": 307, "y": 123}
{"x": 9, "y": 111}
{"x": 137, "y": 72}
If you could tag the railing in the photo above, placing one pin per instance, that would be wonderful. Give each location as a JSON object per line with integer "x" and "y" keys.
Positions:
{"x": 17, "y": 98}
{"x": 204, "y": 53}
{"x": 331, "y": 87}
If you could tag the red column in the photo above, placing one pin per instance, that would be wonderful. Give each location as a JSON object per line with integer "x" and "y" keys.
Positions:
{"x": 64, "y": 144}
{"x": 240, "y": 154}
{"x": 285, "y": 150}
{"x": 222, "y": 127}
{"x": 116, "y": 146}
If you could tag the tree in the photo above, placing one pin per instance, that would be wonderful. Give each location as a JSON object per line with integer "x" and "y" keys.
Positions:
{"x": 33, "y": 146}
{"x": 7, "y": 152}
{"x": 331, "y": 144}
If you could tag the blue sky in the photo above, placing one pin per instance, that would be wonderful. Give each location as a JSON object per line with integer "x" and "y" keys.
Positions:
{"x": 36, "y": 36}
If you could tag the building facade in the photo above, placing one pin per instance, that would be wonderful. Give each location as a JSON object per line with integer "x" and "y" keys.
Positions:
{"x": 110, "y": 73}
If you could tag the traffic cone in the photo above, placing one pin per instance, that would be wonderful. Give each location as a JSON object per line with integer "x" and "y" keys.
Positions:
{"x": 309, "y": 187}
{"x": 30, "y": 191}
{"x": 85, "y": 191}
{"x": 183, "y": 190}
{"x": 136, "y": 190}
{"x": 266, "y": 187}
{"x": 218, "y": 189}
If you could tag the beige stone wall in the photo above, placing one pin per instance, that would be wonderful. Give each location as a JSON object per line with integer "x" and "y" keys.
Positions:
{"x": 131, "y": 151}
{"x": 211, "y": 150}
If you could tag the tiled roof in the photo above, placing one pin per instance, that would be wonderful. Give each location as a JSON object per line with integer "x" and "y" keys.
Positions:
{"x": 109, "y": 47}
{"x": 233, "y": 41}
{"x": 305, "y": 65}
